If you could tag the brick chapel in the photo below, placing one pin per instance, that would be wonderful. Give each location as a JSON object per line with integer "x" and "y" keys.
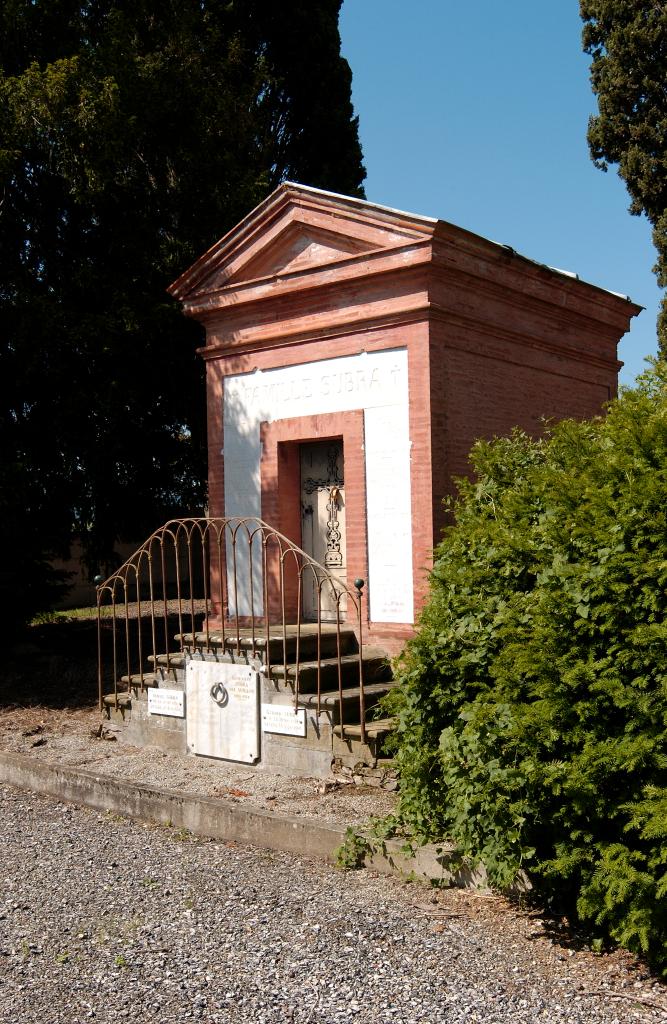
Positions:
{"x": 354, "y": 353}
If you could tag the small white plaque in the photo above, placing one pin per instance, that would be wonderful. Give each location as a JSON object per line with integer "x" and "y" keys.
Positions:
{"x": 223, "y": 710}
{"x": 283, "y": 719}
{"x": 166, "y": 702}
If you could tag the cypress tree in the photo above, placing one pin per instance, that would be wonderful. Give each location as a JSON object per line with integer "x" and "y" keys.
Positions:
{"x": 627, "y": 40}
{"x": 132, "y": 136}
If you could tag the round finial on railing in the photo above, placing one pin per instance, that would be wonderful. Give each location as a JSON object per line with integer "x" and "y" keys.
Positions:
{"x": 359, "y": 584}
{"x": 97, "y": 580}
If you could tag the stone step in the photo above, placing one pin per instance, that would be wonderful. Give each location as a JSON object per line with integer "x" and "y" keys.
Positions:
{"x": 330, "y": 700}
{"x": 376, "y": 668}
{"x": 117, "y": 700}
{"x": 348, "y": 748}
{"x": 141, "y": 680}
{"x": 279, "y": 648}
{"x": 169, "y": 668}
{"x": 171, "y": 661}
{"x": 374, "y": 730}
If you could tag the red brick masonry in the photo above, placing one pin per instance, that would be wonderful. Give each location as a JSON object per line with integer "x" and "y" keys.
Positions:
{"x": 494, "y": 341}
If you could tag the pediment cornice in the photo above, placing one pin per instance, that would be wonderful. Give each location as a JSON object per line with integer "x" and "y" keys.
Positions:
{"x": 297, "y": 230}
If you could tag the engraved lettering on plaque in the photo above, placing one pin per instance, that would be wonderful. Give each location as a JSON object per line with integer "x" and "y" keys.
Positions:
{"x": 166, "y": 702}
{"x": 222, "y": 710}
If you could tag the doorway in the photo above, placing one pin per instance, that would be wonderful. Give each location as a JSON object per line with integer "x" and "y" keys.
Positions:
{"x": 323, "y": 523}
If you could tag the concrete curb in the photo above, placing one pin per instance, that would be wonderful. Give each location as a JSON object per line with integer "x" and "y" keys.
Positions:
{"x": 202, "y": 815}
{"x": 219, "y": 819}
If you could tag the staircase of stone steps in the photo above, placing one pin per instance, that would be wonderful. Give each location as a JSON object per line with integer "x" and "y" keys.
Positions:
{"x": 320, "y": 668}
{"x": 327, "y": 687}
{"x": 315, "y": 686}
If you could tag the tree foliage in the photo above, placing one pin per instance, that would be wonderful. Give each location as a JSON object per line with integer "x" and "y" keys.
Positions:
{"x": 131, "y": 137}
{"x": 627, "y": 40}
{"x": 533, "y": 706}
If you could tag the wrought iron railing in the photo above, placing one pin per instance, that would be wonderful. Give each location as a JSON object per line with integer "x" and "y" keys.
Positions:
{"x": 234, "y": 585}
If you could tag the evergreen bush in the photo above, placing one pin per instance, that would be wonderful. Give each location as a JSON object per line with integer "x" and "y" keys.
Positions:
{"x": 533, "y": 704}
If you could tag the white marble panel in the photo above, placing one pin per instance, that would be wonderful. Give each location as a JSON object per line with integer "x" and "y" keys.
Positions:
{"x": 163, "y": 701}
{"x": 388, "y": 502}
{"x": 283, "y": 719}
{"x": 222, "y": 710}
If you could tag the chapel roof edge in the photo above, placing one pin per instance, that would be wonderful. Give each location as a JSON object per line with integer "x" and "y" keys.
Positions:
{"x": 290, "y": 192}
{"x": 420, "y": 226}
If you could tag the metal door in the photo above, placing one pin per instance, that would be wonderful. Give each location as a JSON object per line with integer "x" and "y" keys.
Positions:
{"x": 323, "y": 523}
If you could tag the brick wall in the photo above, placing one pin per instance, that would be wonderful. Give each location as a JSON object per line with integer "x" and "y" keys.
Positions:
{"x": 484, "y": 386}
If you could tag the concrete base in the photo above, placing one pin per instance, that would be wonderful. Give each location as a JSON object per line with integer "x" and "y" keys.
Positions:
{"x": 142, "y": 729}
{"x": 310, "y": 755}
{"x": 202, "y": 815}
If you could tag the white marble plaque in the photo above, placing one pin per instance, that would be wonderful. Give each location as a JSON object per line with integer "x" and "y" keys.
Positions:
{"x": 223, "y": 710}
{"x": 166, "y": 702}
{"x": 389, "y": 515}
{"x": 283, "y": 719}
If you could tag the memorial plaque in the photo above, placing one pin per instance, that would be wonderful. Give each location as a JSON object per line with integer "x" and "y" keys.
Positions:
{"x": 282, "y": 718}
{"x": 166, "y": 702}
{"x": 223, "y": 710}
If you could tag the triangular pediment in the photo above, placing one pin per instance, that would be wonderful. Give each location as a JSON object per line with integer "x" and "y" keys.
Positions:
{"x": 297, "y": 246}
{"x": 297, "y": 230}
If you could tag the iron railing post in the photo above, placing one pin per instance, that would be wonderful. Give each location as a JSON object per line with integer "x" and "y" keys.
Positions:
{"x": 359, "y": 586}
{"x": 100, "y": 681}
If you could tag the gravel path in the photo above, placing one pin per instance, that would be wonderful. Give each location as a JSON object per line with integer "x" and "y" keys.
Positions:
{"x": 109, "y": 920}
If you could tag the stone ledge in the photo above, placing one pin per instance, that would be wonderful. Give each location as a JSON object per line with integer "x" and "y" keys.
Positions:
{"x": 219, "y": 819}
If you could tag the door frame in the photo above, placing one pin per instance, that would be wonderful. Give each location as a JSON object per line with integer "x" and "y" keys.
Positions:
{"x": 323, "y": 606}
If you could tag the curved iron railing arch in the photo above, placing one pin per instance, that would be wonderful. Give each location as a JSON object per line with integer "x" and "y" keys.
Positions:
{"x": 242, "y": 578}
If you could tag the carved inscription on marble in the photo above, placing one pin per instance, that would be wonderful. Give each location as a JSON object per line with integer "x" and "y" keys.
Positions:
{"x": 162, "y": 701}
{"x": 269, "y": 390}
{"x": 222, "y": 711}
{"x": 283, "y": 719}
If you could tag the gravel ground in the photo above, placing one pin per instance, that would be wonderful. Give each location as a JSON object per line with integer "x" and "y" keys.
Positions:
{"x": 109, "y": 920}
{"x": 106, "y": 919}
{"x": 67, "y": 737}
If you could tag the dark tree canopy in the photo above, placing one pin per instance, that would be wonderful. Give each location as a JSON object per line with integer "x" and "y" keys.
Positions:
{"x": 627, "y": 40}
{"x": 132, "y": 136}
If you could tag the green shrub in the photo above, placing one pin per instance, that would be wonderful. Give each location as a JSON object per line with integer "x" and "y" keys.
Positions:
{"x": 533, "y": 719}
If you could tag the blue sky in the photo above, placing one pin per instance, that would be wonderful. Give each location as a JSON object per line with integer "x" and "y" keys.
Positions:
{"x": 476, "y": 113}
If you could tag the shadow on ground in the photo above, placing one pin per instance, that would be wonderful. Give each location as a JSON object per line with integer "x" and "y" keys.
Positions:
{"x": 52, "y": 665}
